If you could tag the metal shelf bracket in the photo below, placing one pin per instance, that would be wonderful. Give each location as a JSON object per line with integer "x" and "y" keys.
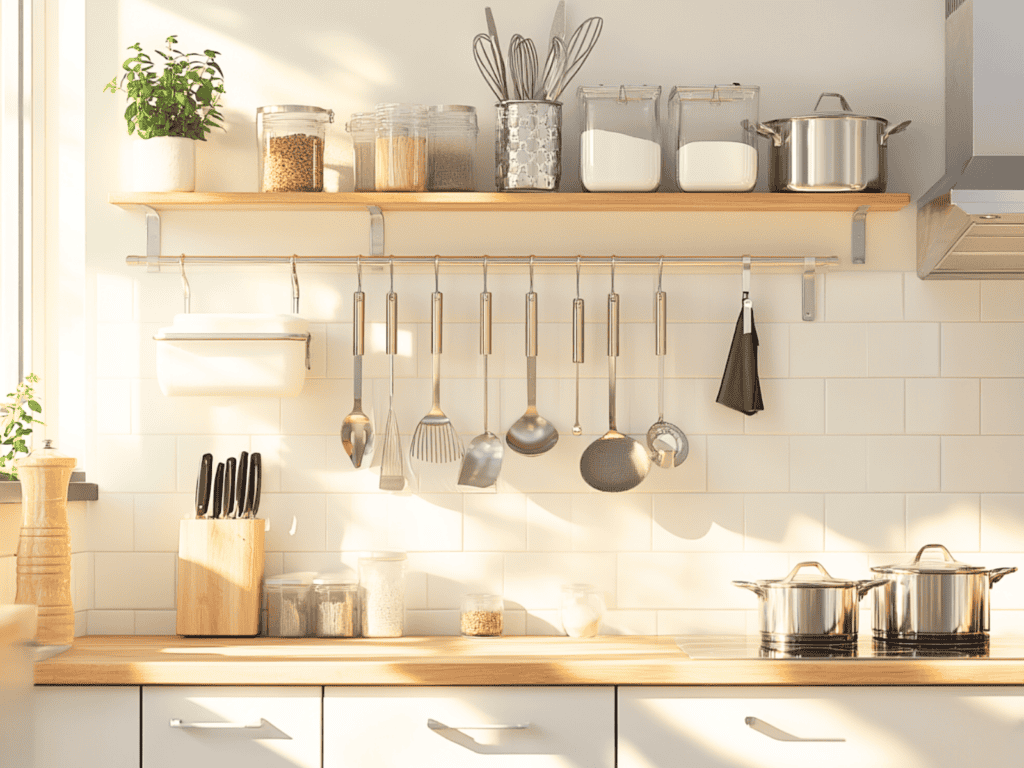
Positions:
{"x": 376, "y": 230}
{"x": 858, "y": 235}
{"x": 807, "y": 292}
{"x": 152, "y": 239}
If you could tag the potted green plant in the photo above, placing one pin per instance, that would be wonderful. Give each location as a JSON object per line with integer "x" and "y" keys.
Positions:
{"x": 169, "y": 111}
{"x": 17, "y": 415}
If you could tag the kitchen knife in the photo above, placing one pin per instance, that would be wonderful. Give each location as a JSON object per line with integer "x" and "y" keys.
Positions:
{"x": 240, "y": 490}
{"x": 229, "y": 486}
{"x": 218, "y": 490}
{"x": 256, "y": 478}
{"x": 203, "y": 485}
{"x": 558, "y": 25}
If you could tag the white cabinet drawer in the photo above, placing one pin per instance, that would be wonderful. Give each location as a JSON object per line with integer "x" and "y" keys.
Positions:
{"x": 93, "y": 726}
{"x": 881, "y": 727}
{"x": 219, "y": 726}
{"x": 539, "y": 727}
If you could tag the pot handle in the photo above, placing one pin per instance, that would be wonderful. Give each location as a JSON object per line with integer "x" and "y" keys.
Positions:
{"x": 997, "y": 573}
{"x": 770, "y": 133}
{"x": 757, "y": 589}
{"x": 842, "y": 101}
{"x": 945, "y": 553}
{"x": 863, "y": 587}
{"x": 895, "y": 129}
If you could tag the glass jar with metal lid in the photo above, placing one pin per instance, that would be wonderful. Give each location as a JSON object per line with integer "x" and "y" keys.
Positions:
{"x": 715, "y": 129}
{"x": 291, "y": 140}
{"x": 620, "y": 146}
{"x": 335, "y": 605}
{"x": 401, "y": 153}
{"x": 451, "y": 148}
{"x": 363, "y": 127}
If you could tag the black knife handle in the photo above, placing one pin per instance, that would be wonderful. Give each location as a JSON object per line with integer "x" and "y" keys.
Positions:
{"x": 203, "y": 485}
{"x": 218, "y": 490}
{"x": 243, "y": 473}
{"x": 256, "y": 479}
{"x": 250, "y": 487}
{"x": 229, "y": 486}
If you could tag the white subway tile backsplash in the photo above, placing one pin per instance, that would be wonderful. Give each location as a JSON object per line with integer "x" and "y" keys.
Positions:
{"x": 903, "y": 349}
{"x": 114, "y": 403}
{"x": 1002, "y": 522}
{"x": 451, "y": 575}
{"x": 941, "y": 300}
{"x": 864, "y": 297}
{"x": 297, "y": 522}
{"x": 611, "y": 522}
{"x": 426, "y": 523}
{"x": 689, "y": 476}
{"x": 156, "y": 414}
{"x": 143, "y": 580}
{"x": 792, "y": 407}
{"x": 155, "y": 622}
{"x": 943, "y": 406}
{"x": 494, "y": 522}
{"x": 702, "y": 622}
{"x": 829, "y": 464}
{"x": 989, "y": 464}
{"x": 534, "y": 580}
{"x": 865, "y": 522}
{"x": 903, "y": 463}
{"x": 748, "y": 463}
{"x": 773, "y": 351}
{"x": 118, "y": 347}
{"x": 111, "y": 622}
{"x": 111, "y": 525}
{"x": 304, "y": 415}
{"x": 629, "y": 623}
{"x": 549, "y": 522}
{"x": 982, "y": 349}
{"x": 157, "y": 519}
{"x": 1001, "y": 411}
{"x": 698, "y": 522}
{"x": 820, "y": 350}
{"x": 1001, "y": 300}
{"x": 135, "y": 463}
{"x": 357, "y": 521}
{"x": 953, "y": 520}
{"x": 784, "y": 522}
{"x": 711, "y": 417}
{"x": 864, "y": 406}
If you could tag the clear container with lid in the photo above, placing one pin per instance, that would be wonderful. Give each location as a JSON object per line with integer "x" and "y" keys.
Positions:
{"x": 620, "y": 146}
{"x": 715, "y": 130}
{"x": 291, "y": 140}
{"x": 382, "y": 588}
{"x": 401, "y": 152}
{"x": 289, "y": 604}
{"x": 363, "y": 127}
{"x": 482, "y": 615}
{"x": 335, "y": 605}
{"x": 582, "y": 610}
{"x": 451, "y": 148}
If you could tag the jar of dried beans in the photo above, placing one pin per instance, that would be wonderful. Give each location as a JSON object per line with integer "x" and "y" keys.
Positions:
{"x": 291, "y": 139}
{"x": 482, "y": 615}
{"x": 401, "y": 156}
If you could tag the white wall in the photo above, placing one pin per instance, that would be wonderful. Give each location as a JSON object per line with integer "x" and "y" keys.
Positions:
{"x": 892, "y": 421}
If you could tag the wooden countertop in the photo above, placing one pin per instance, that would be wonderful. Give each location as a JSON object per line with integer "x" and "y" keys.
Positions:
{"x": 622, "y": 660}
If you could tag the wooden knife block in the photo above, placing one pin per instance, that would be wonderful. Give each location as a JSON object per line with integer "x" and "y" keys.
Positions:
{"x": 220, "y": 572}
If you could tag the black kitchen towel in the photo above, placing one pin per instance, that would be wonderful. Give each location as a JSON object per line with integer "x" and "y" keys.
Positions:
{"x": 741, "y": 388}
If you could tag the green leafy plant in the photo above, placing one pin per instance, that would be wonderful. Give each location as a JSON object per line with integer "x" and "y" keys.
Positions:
{"x": 16, "y": 420}
{"x": 180, "y": 101}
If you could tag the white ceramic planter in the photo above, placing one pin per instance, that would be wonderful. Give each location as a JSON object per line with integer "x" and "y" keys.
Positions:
{"x": 164, "y": 164}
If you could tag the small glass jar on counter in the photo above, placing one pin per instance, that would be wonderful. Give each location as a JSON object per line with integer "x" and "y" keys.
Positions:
{"x": 482, "y": 615}
{"x": 401, "y": 152}
{"x": 289, "y": 598}
{"x": 451, "y": 148}
{"x": 335, "y": 605}
{"x": 582, "y": 610}
{"x": 715, "y": 129}
{"x": 291, "y": 139}
{"x": 363, "y": 127}
{"x": 620, "y": 147}
{"x": 382, "y": 588}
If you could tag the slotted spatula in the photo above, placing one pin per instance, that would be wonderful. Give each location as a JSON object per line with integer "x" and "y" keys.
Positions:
{"x": 392, "y": 466}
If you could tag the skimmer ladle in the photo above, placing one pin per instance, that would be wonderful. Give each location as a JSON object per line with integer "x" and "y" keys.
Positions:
{"x": 668, "y": 444}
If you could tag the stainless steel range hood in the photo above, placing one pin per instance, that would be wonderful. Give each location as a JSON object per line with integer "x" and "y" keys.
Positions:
{"x": 971, "y": 223}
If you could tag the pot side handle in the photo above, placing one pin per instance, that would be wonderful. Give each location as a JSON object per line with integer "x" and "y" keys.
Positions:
{"x": 895, "y": 129}
{"x": 757, "y": 589}
{"x": 863, "y": 587}
{"x": 770, "y": 133}
{"x": 997, "y": 573}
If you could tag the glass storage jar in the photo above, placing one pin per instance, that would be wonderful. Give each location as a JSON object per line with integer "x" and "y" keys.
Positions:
{"x": 582, "y": 610}
{"x": 288, "y": 604}
{"x": 715, "y": 128}
{"x": 363, "y": 127}
{"x": 335, "y": 605}
{"x": 620, "y": 146}
{"x": 451, "y": 148}
{"x": 291, "y": 139}
{"x": 382, "y": 589}
{"x": 401, "y": 153}
{"x": 482, "y": 616}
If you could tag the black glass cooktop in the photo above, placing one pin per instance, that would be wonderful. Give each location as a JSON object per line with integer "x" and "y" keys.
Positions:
{"x": 751, "y": 647}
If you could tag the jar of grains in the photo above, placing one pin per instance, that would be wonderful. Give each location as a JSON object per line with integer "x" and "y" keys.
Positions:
{"x": 335, "y": 605}
{"x": 288, "y": 604}
{"x": 482, "y": 616}
{"x": 291, "y": 139}
{"x": 451, "y": 148}
{"x": 382, "y": 587}
{"x": 363, "y": 127}
{"x": 401, "y": 153}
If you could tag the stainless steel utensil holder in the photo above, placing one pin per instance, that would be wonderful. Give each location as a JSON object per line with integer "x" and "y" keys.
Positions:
{"x": 528, "y": 146}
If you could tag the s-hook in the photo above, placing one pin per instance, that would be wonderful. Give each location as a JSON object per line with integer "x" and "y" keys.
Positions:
{"x": 748, "y": 305}
{"x": 184, "y": 285}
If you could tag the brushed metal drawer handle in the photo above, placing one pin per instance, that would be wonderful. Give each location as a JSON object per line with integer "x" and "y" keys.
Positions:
{"x": 176, "y": 723}
{"x": 778, "y": 734}
{"x": 436, "y": 725}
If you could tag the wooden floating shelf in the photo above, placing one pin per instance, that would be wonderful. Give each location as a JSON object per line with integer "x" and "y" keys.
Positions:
{"x": 536, "y": 202}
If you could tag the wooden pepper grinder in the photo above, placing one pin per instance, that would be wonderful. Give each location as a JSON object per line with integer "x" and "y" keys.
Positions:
{"x": 44, "y": 548}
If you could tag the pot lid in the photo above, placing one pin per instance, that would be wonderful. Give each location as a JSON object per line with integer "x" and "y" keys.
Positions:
{"x": 820, "y": 579}
{"x": 948, "y": 564}
{"x": 844, "y": 113}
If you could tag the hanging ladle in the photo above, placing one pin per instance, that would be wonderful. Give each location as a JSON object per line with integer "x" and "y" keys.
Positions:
{"x": 614, "y": 462}
{"x": 669, "y": 446}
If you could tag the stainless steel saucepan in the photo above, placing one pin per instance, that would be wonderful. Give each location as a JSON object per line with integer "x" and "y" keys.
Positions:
{"x": 815, "y": 608}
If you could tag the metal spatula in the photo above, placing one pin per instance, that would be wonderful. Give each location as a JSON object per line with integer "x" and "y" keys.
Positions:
{"x": 392, "y": 466}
